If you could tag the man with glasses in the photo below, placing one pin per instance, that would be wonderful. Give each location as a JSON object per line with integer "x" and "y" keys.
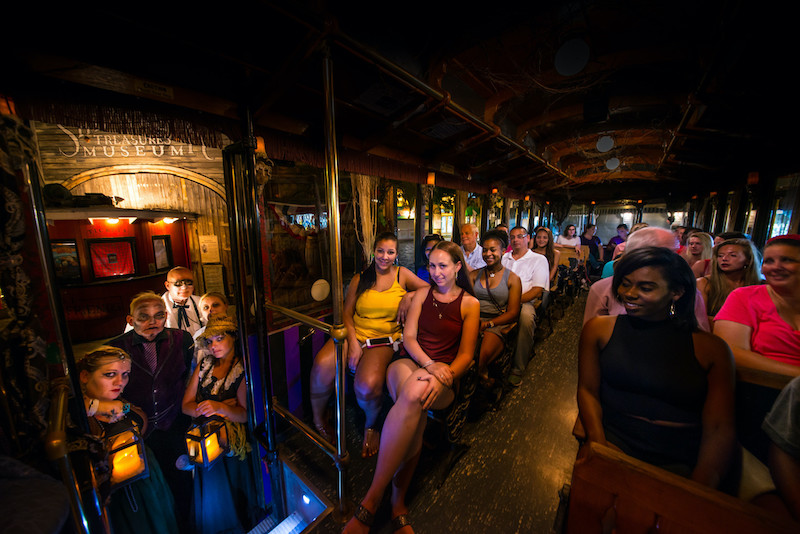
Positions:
{"x": 183, "y": 311}
{"x": 534, "y": 272}
{"x": 161, "y": 358}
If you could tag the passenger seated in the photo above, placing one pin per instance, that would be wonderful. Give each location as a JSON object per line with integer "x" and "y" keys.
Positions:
{"x": 427, "y": 244}
{"x": 542, "y": 243}
{"x": 699, "y": 247}
{"x": 761, "y": 323}
{"x": 603, "y": 301}
{"x": 498, "y": 290}
{"x": 439, "y": 345}
{"x": 724, "y": 236}
{"x": 650, "y": 383}
{"x": 782, "y": 425}
{"x": 734, "y": 263}
{"x": 372, "y": 317}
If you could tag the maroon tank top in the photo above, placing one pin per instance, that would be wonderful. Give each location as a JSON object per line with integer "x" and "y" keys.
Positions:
{"x": 440, "y": 337}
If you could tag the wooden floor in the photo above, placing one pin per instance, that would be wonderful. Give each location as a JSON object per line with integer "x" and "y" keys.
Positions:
{"x": 518, "y": 459}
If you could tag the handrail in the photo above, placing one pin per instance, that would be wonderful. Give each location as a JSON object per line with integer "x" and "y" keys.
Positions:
{"x": 56, "y": 449}
{"x": 337, "y": 453}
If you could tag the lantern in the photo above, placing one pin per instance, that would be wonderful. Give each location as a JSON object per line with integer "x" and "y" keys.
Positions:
{"x": 126, "y": 453}
{"x": 207, "y": 440}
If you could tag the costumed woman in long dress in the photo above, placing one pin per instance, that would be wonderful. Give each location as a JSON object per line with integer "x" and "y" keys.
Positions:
{"x": 439, "y": 340}
{"x": 145, "y": 505}
{"x": 225, "y": 494}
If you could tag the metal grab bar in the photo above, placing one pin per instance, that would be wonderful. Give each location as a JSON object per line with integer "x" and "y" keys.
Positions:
{"x": 56, "y": 449}
{"x": 339, "y": 453}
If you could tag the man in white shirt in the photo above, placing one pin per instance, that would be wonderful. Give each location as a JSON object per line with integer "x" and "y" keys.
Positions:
{"x": 473, "y": 252}
{"x": 183, "y": 307}
{"x": 534, "y": 272}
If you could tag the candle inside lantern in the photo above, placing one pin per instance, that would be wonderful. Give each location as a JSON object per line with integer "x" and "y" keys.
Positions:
{"x": 212, "y": 447}
{"x": 126, "y": 462}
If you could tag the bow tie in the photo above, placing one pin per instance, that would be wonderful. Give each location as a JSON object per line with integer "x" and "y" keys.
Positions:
{"x": 182, "y": 316}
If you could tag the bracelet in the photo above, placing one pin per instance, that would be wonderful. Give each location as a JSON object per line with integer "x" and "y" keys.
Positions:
{"x": 491, "y": 324}
{"x": 428, "y": 364}
{"x": 94, "y": 404}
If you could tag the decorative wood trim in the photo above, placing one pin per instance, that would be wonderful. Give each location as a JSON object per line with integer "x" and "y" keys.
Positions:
{"x": 100, "y": 172}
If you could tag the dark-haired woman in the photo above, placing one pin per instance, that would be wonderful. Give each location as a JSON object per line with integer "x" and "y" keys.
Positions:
{"x": 427, "y": 244}
{"x": 499, "y": 291}
{"x": 762, "y": 323}
{"x": 734, "y": 263}
{"x": 224, "y": 497}
{"x": 439, "y": 343}
{"x": 589, "y": 239}
{"x": 649, "y": 382}
{"x": 373, "y": 330}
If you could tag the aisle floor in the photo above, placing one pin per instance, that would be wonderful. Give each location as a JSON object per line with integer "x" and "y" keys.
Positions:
{"x": 518, "y": 459}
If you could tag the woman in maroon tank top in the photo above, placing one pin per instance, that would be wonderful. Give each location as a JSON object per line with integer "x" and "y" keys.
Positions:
{"x": 439, "y": 339}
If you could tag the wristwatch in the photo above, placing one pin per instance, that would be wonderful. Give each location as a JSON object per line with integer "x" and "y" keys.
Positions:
{"x": 491, "y": 324}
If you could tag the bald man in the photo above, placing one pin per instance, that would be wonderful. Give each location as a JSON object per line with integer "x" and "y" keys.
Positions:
{"x": 473, "y": 252}
{"x": 602, "y": 301}
{"x": 183, "y": 307}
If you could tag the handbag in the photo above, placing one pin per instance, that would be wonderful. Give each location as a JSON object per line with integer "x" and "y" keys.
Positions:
{"x": 505, "y": 328}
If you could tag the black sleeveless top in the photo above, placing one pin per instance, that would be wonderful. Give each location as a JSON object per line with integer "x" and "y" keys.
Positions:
{"x": 649, "y": 370}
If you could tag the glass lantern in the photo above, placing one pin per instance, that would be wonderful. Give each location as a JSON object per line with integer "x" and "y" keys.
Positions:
{"x": 207, "y": 440}
{"x": 126, "y": 453}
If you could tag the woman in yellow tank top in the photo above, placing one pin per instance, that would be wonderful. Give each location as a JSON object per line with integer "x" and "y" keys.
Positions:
{"x": 370, "y": 313}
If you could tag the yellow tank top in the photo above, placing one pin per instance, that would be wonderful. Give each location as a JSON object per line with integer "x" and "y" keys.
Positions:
{"x": 376, "y": 312}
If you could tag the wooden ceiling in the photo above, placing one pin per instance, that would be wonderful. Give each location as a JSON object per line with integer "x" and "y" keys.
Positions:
{"x": 695, "y": 95}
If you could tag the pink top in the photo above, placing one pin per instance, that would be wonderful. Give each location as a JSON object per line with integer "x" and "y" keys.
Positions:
{"x": 771, "y": 336}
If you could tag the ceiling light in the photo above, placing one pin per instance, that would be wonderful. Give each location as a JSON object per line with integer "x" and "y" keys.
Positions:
{"x": 612, "y": 163}
{"x": 169, "y": 220}
{"x": 572, "y": 57}
{"x": 605, "y": 143}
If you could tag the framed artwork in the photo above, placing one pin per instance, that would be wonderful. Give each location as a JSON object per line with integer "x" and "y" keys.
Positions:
{"x": 162, "y": 250}
{"x": 66, "y": 261}
{"x": 111, "y": 258}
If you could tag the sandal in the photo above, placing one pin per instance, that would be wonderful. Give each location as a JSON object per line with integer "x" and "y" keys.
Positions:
{"x": 364, "y": 515}
{"x": 370, "y": 434}
{"x": 401, "y": 521}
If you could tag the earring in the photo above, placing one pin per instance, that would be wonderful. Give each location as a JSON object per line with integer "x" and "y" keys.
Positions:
{"x": 672, "y": 309}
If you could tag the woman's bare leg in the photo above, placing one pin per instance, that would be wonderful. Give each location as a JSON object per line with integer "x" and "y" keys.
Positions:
{"x": 368, "y": 385}
{"x": 323, "y": 374}
{"x": 491, "y": 347}
{"x": 401, "y": 439}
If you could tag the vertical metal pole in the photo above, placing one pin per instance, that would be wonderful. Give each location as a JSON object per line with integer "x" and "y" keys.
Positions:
{"x": 245, "y": 247}
{"x": 337, "y": 282}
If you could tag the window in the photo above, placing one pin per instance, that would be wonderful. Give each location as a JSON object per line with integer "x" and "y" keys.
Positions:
{"x": 112, "y": 257}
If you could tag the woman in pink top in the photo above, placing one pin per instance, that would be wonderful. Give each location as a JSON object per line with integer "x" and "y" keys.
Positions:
{"x": 761, "y": 323}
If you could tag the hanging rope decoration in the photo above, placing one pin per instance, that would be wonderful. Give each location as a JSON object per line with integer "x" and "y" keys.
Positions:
{"x": 365, "y": 209}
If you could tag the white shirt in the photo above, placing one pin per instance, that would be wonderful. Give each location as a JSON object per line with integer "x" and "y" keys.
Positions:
{"x": 569, "y": 241}
{"x": 475, "y": 259}
{"x": 533, "y": 269}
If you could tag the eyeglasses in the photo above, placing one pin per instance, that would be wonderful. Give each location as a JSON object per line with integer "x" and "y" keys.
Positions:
{"x": 184, "y": 282}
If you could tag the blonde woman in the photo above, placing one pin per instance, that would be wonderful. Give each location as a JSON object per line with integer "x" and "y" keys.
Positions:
{"x": 698, "y": 251}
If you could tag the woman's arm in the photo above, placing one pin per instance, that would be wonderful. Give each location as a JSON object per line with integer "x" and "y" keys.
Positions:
{"x": 718, "y": 442}
{"x": 471, "y": 314}
{"x": 737, "y": 336}
{"x": 554, "y": 267}
{"x": 189, "y": 404}
{"x": 512, "y": 308}
{"x": 411, "y": 283}
{"x": 594, "y": 336}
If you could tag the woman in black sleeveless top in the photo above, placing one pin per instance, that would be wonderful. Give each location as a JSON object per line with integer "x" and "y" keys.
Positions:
{"x": 651, "y": 384}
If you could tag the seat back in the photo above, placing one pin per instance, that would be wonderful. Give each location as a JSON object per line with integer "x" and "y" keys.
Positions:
{"x": 612, "y": 492}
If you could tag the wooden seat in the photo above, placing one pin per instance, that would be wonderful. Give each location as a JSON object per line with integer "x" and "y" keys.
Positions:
{"x": 569, "y": 252}
{"x": 612, "y": 492}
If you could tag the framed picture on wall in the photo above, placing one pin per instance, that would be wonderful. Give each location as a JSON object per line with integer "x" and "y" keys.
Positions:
{"x": 65, "y": 258}
{"x": 111, "y": 258}
{"x": 162, "y": 250}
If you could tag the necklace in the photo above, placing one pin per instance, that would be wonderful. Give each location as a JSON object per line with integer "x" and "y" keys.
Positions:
{"x": 492, "y": 273}
{"x": 436, "y": 305}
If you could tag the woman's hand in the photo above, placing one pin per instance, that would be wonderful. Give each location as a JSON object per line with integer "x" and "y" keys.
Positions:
{"x": 210, "y": 407}
{"x": 354, "y": 353}
{"x": 433, "y": 390}
{"x": 442, "y": 372}
{"x": 485, "y": 325}
{"x": 403, "y": 307}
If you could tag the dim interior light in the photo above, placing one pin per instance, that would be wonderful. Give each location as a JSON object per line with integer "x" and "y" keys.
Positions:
{"x": 169, "y": 220}
{"x": 494, "y": 190}
{"x": 431, "y": 178}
